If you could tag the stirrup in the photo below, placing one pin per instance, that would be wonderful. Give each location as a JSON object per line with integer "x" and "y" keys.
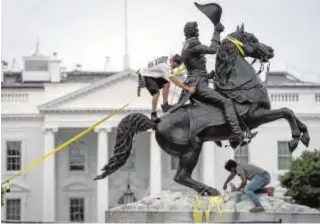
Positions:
{"x": 244, "y": 143}
{"x": 251, "y": 135}
{"x": 235, "y": 144}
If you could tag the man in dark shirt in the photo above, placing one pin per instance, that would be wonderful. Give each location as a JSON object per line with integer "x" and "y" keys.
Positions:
{"x": 259, "y": 178}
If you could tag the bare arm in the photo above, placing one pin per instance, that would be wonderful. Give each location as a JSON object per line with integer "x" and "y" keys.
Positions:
{"x": 230, "y": 178}
{"x": 180, "y": 84}
{"x": 243, "y": 181}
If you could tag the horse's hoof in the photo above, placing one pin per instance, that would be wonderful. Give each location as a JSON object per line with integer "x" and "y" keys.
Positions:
{"x": 210, "y": 191}
{"x": 293, "y": 144}
{"x": 305, "y": 139}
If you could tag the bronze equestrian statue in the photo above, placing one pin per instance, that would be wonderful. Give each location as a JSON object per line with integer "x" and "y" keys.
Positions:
{"x": 193, "y": 56}
{"x": 182, "y": 132}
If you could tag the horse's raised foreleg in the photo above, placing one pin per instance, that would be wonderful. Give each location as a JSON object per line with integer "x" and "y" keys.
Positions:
{"x": 305, "y": 138}
{"x": 262, "y": 116}
{"x": 187, "y": 163}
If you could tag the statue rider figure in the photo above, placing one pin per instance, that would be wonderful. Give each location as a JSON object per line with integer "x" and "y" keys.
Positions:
{"x": 193, "y": 57}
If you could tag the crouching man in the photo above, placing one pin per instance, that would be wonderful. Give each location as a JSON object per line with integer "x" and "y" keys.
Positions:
{"x": 259, "y": 178}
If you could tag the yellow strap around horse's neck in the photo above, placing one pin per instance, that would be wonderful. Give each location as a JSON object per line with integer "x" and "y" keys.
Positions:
{"x": 237, "y": 43}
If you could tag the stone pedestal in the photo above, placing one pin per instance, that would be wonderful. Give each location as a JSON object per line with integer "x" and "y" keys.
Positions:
{"x": 175, "y": 207}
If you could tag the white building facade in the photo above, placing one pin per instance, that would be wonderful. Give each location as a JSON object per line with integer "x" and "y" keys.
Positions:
{"x": 43, "y": 106}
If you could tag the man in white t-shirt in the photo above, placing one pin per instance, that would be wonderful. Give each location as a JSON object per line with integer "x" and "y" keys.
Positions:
{"x": 157, "y": 75}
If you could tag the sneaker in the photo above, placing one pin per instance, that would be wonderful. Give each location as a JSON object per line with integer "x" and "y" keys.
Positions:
{"x": 154, "y": 117}
{"x": 165, "y": 107}
{"x": 257, "y": 209}
{"x": 270, "y": 191}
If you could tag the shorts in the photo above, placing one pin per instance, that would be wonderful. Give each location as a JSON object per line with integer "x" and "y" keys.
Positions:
{"x": 153, "y": 85}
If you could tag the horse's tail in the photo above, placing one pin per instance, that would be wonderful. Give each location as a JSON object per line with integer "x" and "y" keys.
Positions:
{"x": 128, "y": 127}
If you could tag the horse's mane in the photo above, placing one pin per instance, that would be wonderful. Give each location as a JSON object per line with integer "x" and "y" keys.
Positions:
{"x": 227, "y": 54}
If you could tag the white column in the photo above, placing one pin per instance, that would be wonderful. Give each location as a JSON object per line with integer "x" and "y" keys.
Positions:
{"x": 208, "y": 166}
{"x": 49, "y": 177}
{"x": 102, "y": 185}
{"x": 155, "y": 166}
{"x": 221, "y": 156}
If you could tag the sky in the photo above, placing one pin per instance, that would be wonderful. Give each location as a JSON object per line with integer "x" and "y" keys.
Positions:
{"x": 87, "y": 31}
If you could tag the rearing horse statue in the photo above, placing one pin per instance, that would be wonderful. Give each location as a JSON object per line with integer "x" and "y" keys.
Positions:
{"x": 182, "y": 133}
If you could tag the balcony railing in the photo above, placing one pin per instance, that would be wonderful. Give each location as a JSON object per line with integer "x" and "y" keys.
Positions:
{"x": 284, "y": 97}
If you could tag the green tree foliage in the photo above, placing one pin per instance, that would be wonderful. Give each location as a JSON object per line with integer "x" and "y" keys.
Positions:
{"x": 296, "y": 179}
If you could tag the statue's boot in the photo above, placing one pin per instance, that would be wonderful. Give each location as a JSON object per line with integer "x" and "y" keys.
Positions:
{"x": 236, "y": 137}
{"x": 204, "y": 93}
{"x": 236, "y": 140}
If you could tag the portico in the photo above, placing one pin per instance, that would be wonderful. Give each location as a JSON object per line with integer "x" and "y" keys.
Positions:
{"x": 65, "y": 117}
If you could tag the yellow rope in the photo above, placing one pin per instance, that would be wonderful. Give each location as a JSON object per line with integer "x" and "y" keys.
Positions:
{"x": 238, "y": 44}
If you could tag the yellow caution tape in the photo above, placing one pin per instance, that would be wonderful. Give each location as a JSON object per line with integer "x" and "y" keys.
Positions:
{"x": 197, "y": 214}
{"x": 63, "y": 145}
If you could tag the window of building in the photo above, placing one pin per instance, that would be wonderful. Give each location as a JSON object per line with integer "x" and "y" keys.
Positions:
{"x": 242, "y": 155}
{"x": 174, "y": 163}
{"x": 77, "y": 210}
{"x": 13, "y": 155}
{"x": 13, "y": 209}
{"x": 284, "y": 156}
{"x": 131, "y": 162}
{"x": 317, "y": 97}
{"x": 77, "y": 156}
{"x": 36, "y": 65}
{"x": 9, "y": 80}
